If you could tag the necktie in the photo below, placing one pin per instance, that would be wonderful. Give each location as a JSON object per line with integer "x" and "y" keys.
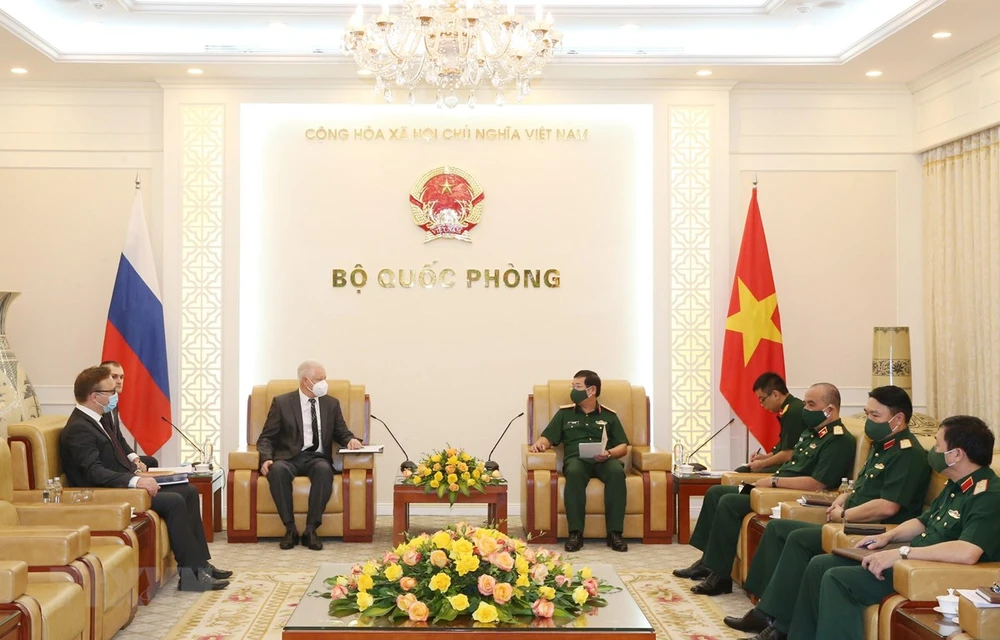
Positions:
{"x": 315, "y": 425}
{"x": 111, "y": 431}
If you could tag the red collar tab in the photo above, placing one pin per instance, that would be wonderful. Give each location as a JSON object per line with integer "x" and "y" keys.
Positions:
{"x": 888, "y": 444}
{"x": 967, "y": 484}
{"x": 822, "y": 432}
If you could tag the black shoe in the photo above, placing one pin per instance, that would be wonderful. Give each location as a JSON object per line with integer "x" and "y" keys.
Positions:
{"x": 290, "y": 540}
{"x": 713, "y": 585}
{"x": 575, "y": 542}
{"x": 749, "y": 622}
{"x": 696, "y": 571}
{"x": 769, "y": 634}
{"x": 311, "y": 540}
{"x": 217, "y": 573}
{"x": 617, "y": 542}
{"x": 191, "y": 580}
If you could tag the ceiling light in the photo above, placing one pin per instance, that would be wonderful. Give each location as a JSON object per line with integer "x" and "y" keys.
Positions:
{"x": 941, "y": 35}
{"x": 629, "y": 26}
{"x": 874, "y": 73}
{"x": 277, "y": 25}
{"x": 195, "y": 72}
{"x": 19, "y": 71}
{"x": 704, "y": 73}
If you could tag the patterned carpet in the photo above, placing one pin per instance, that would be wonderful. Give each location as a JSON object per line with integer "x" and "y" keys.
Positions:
{"x": 257, "y": 604}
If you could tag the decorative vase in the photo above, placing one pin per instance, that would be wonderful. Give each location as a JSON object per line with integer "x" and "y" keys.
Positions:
{"x": 17, "y": 397}
{"x": 891, "y": 365}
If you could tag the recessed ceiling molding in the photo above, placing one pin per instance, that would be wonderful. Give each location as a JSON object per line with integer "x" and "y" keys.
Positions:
{"x": 956, "y": 65}
{"x": 346, "y": 7}
{"x": 898, "y": 23}
{"x": 29, "y": 36}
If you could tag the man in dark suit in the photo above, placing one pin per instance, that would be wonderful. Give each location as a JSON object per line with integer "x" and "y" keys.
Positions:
{"x": 92, "y": 457}
{"x": 297, "y": 440}
{"x": 112, "y": 422}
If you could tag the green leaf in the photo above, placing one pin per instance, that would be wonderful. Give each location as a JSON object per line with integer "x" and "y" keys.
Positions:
{"x": 562, "y": 613}
{"x": 465, "y": 490}
{"x": 451, "y": 497}
{"x": 441, "y": 490}
{"x": 376, "y": 612}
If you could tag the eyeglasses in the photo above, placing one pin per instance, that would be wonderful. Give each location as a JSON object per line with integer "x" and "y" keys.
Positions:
{"x": 763, "y": 399}
{"x": 105, "y": 392}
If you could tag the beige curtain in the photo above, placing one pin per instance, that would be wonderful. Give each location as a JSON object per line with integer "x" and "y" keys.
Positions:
{"x": 962, "y": 277}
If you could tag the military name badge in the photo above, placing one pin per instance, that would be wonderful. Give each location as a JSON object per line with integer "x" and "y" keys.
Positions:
{"x": 572, "y": 423}
{"x": 905, "y": 444}
{"x": 954, "y": 514}
{"x": 447, "y": 203}
{"x": 981, "y": 486}
{"x": 838, "y": 430}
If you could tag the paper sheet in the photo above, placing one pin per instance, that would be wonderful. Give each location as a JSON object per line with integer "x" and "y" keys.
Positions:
{"x": 368, "y": 448}
{"x": 976, "y": 599}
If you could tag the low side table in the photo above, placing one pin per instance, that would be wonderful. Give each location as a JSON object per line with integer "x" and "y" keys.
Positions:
{"x": 10, "y": 625}
{"x": 210, "y": 485}
{"x": 919, "y": 621}
{"x": 403, "y": 495}
{"x": 687, "y": 486}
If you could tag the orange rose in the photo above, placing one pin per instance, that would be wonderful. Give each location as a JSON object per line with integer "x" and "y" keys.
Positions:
{"x": 543, "y": 608}
{"x": 439, "y": 558}
{"x": 502, "y": 593}
{"x": 504, "y": 562}
{"x": 487, "y": 584}
{"x": 404, "y": 602}
{"x": 590, "y": 584}
{"x": 338, "y": 592}
{"x": 418, "y": 611}
{"x": 411, "y": 557}
{"x": 539, "y": 572}
{"x": 407, "y": 583}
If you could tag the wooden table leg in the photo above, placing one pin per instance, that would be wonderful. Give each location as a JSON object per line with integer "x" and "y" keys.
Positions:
{"x": 683, "y": 516}
{"x": 218, "y": 510}
{"x": 500, "y": 508}
{"x": 400, "y": 517}
{"x": 207, "y": 519}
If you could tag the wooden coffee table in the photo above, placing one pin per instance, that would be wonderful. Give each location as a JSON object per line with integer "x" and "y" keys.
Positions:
{"x": 919, "y": 621}
{"x": 622, "y": 618}
{"x": 210, "y": 485}
{"x": 686, "y": 486}
{"x": 403, "y": 495}
{"x": 10, "y": 625}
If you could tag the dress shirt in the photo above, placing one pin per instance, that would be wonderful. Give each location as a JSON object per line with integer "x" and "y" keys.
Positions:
{"x": 307, "y": 434}
{"x": 134, "y": 457}
{"x": 97, "y": 420}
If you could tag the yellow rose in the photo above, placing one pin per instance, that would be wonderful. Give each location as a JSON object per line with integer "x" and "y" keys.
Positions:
{"x": 476, "y": 474}
{"x": 343, "y": 581}
{"x": 522, "y": 580}
{"x": 452, "y": 460}
{"x": 466, "y": 563}
{"x": 401, "y": 549}
{"x": 521, "y": 564}
{"x": 436, "y": 457}
{"x": 434, "y": 484}
{"x": 418, "y": 480}
{"x": 427, "y": 472}
{"x": 441, "y": 540}
{"x": 470, "y": 482}
{"x": 485, "y": 613}
{"x": 580, "y": 595}
{"x": 420, "y": 469}
{"x": 520, "y": 545}
{"x": 452, "y": 478}
{"x": 546, "y": 592}
{"x": 369, "y": 569}
{"x": 465, "y": 456}
{"x": 364, "y": 600}
{"x": 461, "y": 546}
{"x": 586, "y": 574}
{"x": 393, "y": 572}
{"x": 365, "y": 582}
{"x": 459, "y": 602}
{"x": 441, "y": 582}
{"x": 439, "y": 476}
{"x": 465, "y": 475}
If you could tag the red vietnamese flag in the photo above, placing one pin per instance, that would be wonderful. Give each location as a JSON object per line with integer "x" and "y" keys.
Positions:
{"x": 753, "y": 332}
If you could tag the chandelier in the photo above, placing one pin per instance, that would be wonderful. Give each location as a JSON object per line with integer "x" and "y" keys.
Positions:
{"x": 453, "y": 49}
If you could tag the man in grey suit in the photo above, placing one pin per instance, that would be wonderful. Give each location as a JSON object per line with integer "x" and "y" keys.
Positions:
{"x": 297, "y": 440}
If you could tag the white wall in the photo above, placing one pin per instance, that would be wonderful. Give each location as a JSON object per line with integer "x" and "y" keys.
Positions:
{"x": 840, "y": 198}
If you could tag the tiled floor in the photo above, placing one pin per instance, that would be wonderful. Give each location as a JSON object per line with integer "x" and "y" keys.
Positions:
{"x": 169, "y": 605}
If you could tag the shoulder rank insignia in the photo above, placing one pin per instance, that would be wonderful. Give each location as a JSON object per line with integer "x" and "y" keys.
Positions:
{"x": 981, "y": 486}
{"x": 880, "y": 466}
{"x": 954, "y": 514}
{"x": 838, "y": 430}
{"x": 967, "y": 484}
{"x": 905, "y": 444}
{"x": 888, "y": 444}
{"x": 567, "y": 406}
{"x": 784, "y": 409}
{"x": 604, "y": 407}
{"x": 822, "y": 432}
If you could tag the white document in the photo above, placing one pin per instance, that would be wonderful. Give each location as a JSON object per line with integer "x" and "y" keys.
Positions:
{"x": 590, "y": 449}
{"x": 368, "y": 448}
{"x": 171, "y": 470}
{"x": 976, "y": 599}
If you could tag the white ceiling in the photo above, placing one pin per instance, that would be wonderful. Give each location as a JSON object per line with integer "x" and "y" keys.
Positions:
{"x": 798, "y": 41}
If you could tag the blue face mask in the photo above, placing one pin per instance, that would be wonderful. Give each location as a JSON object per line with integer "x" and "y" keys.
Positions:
{"x": 112, "y": 403}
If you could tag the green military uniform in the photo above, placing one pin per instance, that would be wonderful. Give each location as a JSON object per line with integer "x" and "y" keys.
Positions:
{"x": 571, "y": 426}
{"x": 825, "y": 453}
{"x": 790, "y": 421}
{"x": 835, "y": 591}
{"x": 896, "y": 470}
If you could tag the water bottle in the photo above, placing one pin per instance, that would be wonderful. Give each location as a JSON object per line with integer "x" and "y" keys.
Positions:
{"x": 208, "y": 450}
{"x": 845, "y": 486}
{"x": 47, "y": 491}
{"x": 57, "y": 490}
{"x": 850, "y": 486}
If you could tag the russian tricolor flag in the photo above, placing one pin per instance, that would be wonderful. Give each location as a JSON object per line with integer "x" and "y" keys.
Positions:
{"x": 135, "y": 337}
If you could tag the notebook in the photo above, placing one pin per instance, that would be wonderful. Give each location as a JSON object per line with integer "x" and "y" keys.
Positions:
{"x": 859, "y": 554}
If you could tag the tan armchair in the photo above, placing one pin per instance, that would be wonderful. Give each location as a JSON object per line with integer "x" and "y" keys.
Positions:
{"x": 351, "y": 510}
{"x": 34, "y": 447}
{"x": 80, "y": 577}
{"x": 649, "y": 512}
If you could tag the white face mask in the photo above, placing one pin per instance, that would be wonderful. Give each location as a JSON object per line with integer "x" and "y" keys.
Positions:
{"x": 320, "y": 388}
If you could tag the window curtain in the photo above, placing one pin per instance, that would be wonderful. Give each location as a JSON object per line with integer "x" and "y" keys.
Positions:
{"x": 962, "y": 278}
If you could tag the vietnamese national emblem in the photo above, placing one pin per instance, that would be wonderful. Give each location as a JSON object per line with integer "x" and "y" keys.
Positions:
{"x": 447, "y": 203}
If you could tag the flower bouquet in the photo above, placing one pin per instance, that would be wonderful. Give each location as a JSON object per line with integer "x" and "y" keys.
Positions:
{"x": 451, "y": 471}
{"x": 465, "y": 570}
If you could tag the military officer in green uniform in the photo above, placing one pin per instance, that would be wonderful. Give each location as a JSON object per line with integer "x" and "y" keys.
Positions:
{"x": 773, "y": 394}
{"x": 960, "y": 527}
{"x": 586, "y": 420}
{"x": 890, "y": 488}
{"x": 823, "y": 455}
